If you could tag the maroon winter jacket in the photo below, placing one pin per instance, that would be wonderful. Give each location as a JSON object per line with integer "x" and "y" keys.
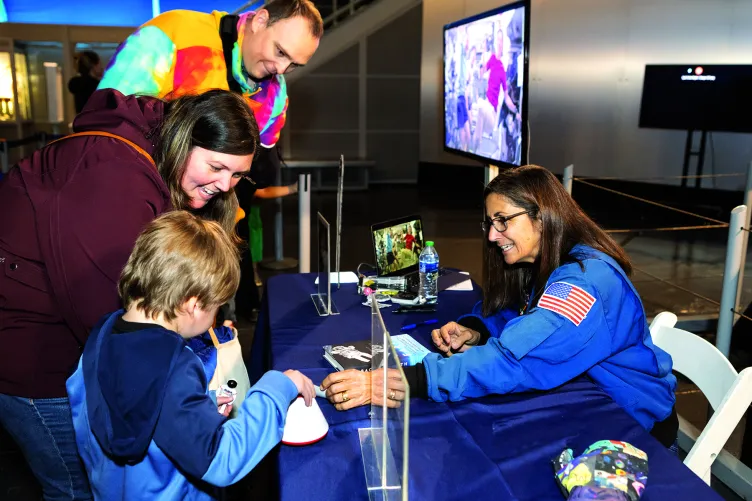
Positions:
{"x": 69, "y": 217}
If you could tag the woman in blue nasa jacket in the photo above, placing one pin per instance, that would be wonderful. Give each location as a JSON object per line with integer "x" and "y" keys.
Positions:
{"x": 557, "y": 304}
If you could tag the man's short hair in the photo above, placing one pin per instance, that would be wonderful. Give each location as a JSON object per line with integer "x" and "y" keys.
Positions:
{"x": 179, "y": 256}
{"x": 285, "y": 9}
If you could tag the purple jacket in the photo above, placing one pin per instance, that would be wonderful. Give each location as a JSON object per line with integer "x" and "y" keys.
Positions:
{"x": 70, "y": 216}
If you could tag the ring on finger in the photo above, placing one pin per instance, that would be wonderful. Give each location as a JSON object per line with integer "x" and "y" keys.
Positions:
{"x": 393, "y": 395}
{"x": 345, "y": 398}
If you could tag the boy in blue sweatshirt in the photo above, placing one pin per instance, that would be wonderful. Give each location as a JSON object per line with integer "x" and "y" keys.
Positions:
{"x": 146, "y": 427}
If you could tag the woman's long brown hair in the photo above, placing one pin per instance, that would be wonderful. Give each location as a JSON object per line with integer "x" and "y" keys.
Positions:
{"x": 563, "y": 225}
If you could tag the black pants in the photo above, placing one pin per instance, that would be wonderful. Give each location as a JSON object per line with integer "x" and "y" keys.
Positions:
{"x": 667, "y": 430}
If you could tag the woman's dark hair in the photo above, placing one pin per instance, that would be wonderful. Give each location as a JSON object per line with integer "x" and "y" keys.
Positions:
{"x": 85, "y": 61}
{"x": 563, "y": 225}
{"x": 217, "y": 120}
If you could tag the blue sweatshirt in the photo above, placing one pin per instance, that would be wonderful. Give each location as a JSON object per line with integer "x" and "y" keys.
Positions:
{"x": 588, "y": 321}
{"x": 147, "y": 429}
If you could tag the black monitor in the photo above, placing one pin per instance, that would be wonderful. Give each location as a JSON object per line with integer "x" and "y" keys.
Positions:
{"x": 707, "y": 97}
{"x": 485, "y": 85}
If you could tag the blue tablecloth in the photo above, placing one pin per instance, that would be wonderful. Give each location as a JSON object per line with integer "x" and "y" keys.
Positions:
{"x": 497, "y": 447}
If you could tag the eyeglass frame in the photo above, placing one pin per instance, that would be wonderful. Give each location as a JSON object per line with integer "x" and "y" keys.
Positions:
{"x": 485, "y": 226}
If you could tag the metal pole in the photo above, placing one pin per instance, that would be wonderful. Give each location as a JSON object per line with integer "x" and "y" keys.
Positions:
{"x": 491, "y": 172}
{"x": 745, "y": 240}
{"x": 340, "y": 194}
{"x": 566, "y": 179}
{"x": 730, "y": 279}
{"x": 279, "y": 262}
{"x": 278, "y": 227}
{"x": 304, "y": 216}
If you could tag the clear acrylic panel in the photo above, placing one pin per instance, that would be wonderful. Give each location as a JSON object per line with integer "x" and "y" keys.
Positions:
{"x": 384, "y": 446}
{"x": 323, "y": 298}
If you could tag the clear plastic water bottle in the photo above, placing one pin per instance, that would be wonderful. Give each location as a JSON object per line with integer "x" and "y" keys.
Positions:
{"x": 428, "y": 266}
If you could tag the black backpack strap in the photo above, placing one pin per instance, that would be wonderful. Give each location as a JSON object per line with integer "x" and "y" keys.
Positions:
{"x": 228, "y": 32}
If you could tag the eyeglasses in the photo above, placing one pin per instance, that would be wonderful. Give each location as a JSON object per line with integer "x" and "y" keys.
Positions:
{"x": 500, "y": 223}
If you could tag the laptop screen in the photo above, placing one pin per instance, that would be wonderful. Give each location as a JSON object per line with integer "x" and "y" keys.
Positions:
{"x": 397, "y": 245}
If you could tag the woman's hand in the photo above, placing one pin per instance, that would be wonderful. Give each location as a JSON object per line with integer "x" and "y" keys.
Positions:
{"x": 454, "y": 338}
{"x": 353, "y": 388}
{"x": 304, "y": 385}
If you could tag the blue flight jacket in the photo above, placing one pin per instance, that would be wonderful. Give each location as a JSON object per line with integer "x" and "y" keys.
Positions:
{"x": 545, "y": 348}
{"x": 146, "y": 428}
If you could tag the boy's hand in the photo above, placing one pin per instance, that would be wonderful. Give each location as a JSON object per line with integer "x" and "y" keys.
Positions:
{"x": 224, "y": 400}
{"x": 304, "y": 385}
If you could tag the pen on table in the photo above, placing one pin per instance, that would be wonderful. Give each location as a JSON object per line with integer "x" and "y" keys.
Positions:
{"x": 413, "y": 326}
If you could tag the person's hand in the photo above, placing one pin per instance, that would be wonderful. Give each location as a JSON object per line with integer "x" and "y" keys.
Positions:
{"x": 229, "y": 323}
{"x": 348, "y": 389}
{"x": 395, "y": 388}
{"x": 454, "y": 338}
{"x": 304, "y": 385}
{"x": 353, "y": 388}
{"x": 293, "y": 188}
{"x": 221, "y": 400}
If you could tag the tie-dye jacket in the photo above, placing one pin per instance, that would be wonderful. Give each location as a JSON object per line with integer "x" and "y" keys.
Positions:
{"x": 180, "y": 52}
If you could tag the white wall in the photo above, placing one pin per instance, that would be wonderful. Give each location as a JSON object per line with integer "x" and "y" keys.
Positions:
{"x": 587, "y": 60}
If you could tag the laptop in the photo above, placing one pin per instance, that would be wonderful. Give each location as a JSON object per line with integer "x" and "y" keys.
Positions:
{"x": 397, "y": 244}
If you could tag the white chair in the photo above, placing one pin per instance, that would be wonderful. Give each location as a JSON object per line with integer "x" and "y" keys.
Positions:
{"x": 728, "y": 392}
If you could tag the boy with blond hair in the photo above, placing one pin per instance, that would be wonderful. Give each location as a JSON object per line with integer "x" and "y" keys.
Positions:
{"x": 146, "y": 427}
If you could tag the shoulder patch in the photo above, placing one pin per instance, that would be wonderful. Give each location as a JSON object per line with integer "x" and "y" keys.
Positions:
{"x": 569, "y": 301}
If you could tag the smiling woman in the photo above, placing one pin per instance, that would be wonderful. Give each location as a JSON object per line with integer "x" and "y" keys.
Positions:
{"x": 63, "y": 260}
{"x": 558, "y": 304}
{"x": 208, "y": 173}
{"x": 206, "y": 146}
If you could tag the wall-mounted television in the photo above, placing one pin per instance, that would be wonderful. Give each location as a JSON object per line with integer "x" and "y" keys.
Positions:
{"x": 485, "y": 85}
{"x": 701, "y": 97}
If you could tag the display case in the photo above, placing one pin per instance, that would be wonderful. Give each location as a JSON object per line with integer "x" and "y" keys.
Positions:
{"x": 15, "y": 99}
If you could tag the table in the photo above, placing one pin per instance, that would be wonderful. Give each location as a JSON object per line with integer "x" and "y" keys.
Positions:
{"x": 496, "y": 447}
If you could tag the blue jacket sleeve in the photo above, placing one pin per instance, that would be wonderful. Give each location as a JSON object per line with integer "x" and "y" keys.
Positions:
{"x": 255, "y": 430}
{"x": 494, "y": 323}
{"x": 537, "y": 351}
{"x": 205, "y": 444}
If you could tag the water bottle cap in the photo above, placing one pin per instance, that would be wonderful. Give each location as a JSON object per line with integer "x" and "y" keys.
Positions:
{"x": 231, "y": 383}
{"x": 429, "y": 243}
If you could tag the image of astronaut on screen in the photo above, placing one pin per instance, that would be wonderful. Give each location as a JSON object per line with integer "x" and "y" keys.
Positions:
{"x": 398, "y": 247}
{"x": 483, "y": 85}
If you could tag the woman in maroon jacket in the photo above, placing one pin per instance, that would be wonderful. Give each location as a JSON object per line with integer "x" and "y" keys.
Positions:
{"x": 70, "y": 216}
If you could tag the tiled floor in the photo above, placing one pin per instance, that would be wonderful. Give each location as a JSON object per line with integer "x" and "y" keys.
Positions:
{"x": 693, "y": 261}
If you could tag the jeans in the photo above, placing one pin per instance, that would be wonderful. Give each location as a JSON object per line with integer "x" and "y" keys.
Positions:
{"x": 43, "y": 429}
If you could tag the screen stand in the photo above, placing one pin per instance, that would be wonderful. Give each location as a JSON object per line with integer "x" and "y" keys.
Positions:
{"x": 491, "y": 172}
{"x": 688, "y": 154}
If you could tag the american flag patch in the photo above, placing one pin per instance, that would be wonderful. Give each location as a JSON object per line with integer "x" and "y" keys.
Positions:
{"x": 568, "y": 300}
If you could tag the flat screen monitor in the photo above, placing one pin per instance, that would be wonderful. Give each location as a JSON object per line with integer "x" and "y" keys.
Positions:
{"x": 702, "y": 97}
{"x": 485, "y": 85}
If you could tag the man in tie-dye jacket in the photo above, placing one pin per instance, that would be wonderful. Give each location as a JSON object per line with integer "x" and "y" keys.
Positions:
{"x": 181, "y": 52}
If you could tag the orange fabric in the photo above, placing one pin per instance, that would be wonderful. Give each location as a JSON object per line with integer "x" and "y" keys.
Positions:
{"x": 114, "y": 136}
{"x": 240, "y": 214}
